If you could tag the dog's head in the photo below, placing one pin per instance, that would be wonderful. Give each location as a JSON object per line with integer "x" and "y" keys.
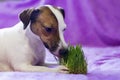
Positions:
{"x": 47, "y": 22}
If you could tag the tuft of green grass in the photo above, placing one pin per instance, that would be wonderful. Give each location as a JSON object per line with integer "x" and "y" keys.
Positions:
{"x": 74, "y": 60}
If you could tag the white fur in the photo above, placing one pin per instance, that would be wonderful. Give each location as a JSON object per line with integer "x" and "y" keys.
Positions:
{"x": 20, "y": 46}
{"x": 20, "y": 49}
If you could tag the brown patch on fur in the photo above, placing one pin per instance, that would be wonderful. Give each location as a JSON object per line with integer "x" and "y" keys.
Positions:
{"x": 46, "y": 27}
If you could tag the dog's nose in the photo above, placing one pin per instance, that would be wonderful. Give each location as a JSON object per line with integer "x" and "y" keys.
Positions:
{"x": 62, "y": 52}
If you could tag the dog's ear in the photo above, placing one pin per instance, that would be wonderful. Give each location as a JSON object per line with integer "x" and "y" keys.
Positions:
{"x": 62, "y": 11}
{"x": 34, "y": 15}
{"x": 25, "y": 17}
{"x": 29, "y": 15}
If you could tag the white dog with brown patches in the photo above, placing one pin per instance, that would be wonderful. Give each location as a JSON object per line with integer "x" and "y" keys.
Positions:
{"x": 22, "y": 47}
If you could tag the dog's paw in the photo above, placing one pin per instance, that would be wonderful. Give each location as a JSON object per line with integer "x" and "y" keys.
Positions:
{"x": 61, "y": 69}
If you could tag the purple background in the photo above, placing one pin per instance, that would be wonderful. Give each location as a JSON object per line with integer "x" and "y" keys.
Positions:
{"x": 93, "y": 23}
{"x": 90, "y": 22}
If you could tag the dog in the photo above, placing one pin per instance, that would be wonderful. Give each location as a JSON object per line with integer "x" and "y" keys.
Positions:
{"x": 22, "y": 47}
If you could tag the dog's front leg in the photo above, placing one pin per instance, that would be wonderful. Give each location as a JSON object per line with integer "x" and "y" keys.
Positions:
{"x": 31, "y": 68}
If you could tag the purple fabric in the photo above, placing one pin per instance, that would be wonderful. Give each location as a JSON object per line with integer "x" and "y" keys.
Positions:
{"x": 90, "y": 23}
{"x": 101, "y": 66}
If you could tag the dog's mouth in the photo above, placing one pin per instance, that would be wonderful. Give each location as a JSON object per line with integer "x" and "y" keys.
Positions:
{"x": 56, "y": 50}
{"x": 51, "y": 48}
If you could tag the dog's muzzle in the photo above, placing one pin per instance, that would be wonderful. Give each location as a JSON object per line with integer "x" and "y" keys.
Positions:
{"x": 57, "y": 51}
{"x": 63, "y": 51}
{"x": 52, "y": 48}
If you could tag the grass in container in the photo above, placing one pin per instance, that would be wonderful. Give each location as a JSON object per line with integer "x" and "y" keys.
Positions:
{"x": 74, "y": 60}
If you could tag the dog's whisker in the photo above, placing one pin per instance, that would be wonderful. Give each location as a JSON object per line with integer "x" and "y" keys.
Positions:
{"x": 55, "y": 58}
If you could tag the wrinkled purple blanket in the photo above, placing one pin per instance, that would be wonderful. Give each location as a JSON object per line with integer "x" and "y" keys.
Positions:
{"x": 103, "y": 64}
{"x": 90, "y": 23}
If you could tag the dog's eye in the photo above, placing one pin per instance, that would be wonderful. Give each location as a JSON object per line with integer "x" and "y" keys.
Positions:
{"x": 48, "y": 29}
{"x": 64, "y": 29}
